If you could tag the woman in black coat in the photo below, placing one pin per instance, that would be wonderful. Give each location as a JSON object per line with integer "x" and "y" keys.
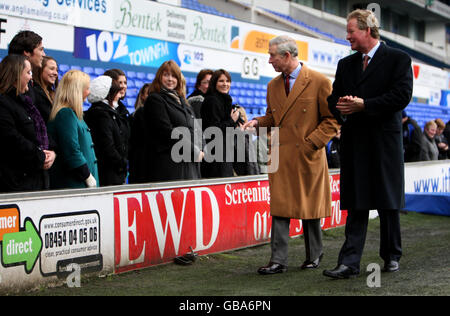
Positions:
{"x": 25, "y": 159}
{"x": 217, "y": 111}
{"x": 45, "y": 81}
{"x": 171, "y": 148}
{"x": 136, "y": 153}
{"x": 109, "y": 125}
{"x": 197, "y": 97}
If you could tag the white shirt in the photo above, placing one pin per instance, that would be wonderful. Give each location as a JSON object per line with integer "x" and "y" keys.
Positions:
{"x": 372, "y": 52}
{"x": 293, "y": 75}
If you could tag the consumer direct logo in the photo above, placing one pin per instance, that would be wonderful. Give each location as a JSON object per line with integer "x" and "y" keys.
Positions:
{"x": 20, "y": 246}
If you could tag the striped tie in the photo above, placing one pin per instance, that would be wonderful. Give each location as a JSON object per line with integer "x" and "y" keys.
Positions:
{"x": 365, "y": 62}
{"x": 287, "y": 86}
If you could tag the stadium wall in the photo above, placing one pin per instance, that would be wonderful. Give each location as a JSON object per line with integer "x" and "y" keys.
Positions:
{"x": 54, "y": 236}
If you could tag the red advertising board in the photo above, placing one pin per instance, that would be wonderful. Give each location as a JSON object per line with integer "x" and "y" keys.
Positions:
{"x": 154, "y": 226}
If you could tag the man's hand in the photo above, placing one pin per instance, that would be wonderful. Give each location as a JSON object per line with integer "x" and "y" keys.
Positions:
{"x": 250, "y": 125}
{"x": 349, "y": 105}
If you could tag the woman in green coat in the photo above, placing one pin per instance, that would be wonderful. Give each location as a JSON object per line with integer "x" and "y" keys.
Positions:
{"x": 75, "y": 164}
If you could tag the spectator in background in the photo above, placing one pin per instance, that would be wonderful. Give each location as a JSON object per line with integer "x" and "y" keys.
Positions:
{"x": 248, "y": 166}
{"x": 430, "y": 150}
{"x": 136, "y": 153}
{"x": 141, "y": 97}
{"x": 447, "y": 131}
{"x": 217, "y": 111}
{"x": 412, "y": 138}
{"x": 334, "y": 151}
{"x": 45, "y": 83}
{"x": 119, "y": 76}
{"x": 441, "y": 140}
{"x": 166, "y": 114}
{"x": 110, "y": 131}
{"x": 76, "y": 165}
{"x": 29, "y": 44}
{"x": 25, "y": 157}
{"x": 196, "y": 98}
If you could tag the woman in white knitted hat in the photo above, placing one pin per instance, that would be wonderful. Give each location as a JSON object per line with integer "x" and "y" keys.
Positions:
{"x": 110, "y": 131}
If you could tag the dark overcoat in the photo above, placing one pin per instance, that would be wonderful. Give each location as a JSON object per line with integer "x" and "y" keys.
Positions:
{"x": 136, "y": 149}
{"x": 42, "y": 102}
{"x": 163, "y": 116}
{"x": 110, "y": 132}
{"x": 21, "y": 161}
{"x": 372, "y": 167}
{"x": 215, "y": 113}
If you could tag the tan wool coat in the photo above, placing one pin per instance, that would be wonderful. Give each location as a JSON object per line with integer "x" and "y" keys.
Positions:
{"x": 300, "y": 187}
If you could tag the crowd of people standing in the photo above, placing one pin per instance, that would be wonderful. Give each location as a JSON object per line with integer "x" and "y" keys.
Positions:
{"x": 431, "y": 143}
{"x": 54, "y": 144}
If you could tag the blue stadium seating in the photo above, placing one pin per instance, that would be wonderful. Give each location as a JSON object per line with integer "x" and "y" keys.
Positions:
{"x": 252, "y": 96}
{"x": 195, "y": 5}
{"x": 423, "y": 113}
{"x": 309, "y": 27}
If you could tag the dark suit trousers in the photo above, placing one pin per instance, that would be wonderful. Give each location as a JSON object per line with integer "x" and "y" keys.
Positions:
{"x": 355, "y": 237}
{"x": 312, "y": 233}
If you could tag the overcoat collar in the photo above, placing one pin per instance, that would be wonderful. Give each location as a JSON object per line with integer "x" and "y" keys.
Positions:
{"x": 286, "y": 102}
{"x": 374, "y": 64}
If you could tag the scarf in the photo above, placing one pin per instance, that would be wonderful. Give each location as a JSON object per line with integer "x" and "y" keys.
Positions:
{"x": 173, "y": 94}
{"x": 39, "y": 124}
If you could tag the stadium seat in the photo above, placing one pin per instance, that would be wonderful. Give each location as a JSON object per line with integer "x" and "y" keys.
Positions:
{"x": 308, "y": 27}
{"x": 423, "y": 113}
{"x": 63, "y": 68}
{"x": 195, "y": 5}
{"x": 89, "y": 70}
{"x": 99, "y": 71}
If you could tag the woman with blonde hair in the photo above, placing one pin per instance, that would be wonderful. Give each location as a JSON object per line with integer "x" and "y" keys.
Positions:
{"x": 76, "y": 165}
{"x": 26, "y": 156}
{"x": 171, "y": 150}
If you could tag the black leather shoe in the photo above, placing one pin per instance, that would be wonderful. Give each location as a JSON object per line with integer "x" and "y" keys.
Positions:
{"x": 391, "y": 266}
{"x": 341, "y": 272}
{"x": 311, "y": 264}
{"x": 272, "y": 268}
